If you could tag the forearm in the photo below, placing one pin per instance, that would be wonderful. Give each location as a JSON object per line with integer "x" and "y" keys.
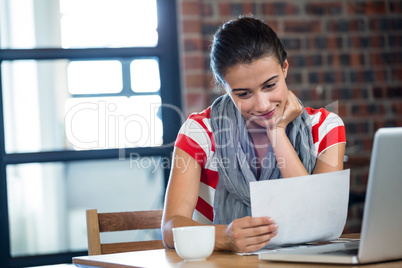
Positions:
{"x": 180, "y": 221}
{"x": 175, "y": 221}
{"x": 286, "y": 157}
{"x": 221, "y": 240}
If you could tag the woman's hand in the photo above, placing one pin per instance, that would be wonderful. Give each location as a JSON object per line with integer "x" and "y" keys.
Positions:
{"x": 249, "y": 234}
{"x": 292, "y": 109}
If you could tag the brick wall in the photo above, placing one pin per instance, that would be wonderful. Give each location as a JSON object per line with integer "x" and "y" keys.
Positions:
{"x": 345, "y": 55}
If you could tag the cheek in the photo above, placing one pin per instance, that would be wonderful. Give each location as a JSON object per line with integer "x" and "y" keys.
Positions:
{"x": 283, "y": 94}
{"x": 280, "y": 97}
{"x": 243, "y": 106}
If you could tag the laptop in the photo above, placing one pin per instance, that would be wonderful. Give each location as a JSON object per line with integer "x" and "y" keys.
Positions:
{"x": 381, "y": 233}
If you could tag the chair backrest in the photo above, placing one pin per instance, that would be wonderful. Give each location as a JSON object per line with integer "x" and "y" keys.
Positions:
{"x": 121, "y": 221}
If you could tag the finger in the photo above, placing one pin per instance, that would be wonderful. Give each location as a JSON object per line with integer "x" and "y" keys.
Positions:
{"x": 261, "y": 239}
{"x": 256, "y": 243}
{"x": 250, "y": 222}
{"x": 291, "y": 95}
{"x": 260, "y": 230}
{"x": 294, "y": 102}
{"x": 253, "y": 248}
{"x": 292, "y": 98}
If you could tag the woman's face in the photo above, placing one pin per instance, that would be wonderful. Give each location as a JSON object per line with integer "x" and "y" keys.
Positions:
{"x": 258, "y": 90}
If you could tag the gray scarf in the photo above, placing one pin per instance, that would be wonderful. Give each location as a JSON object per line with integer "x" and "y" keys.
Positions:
{"x": 235, "y": 155}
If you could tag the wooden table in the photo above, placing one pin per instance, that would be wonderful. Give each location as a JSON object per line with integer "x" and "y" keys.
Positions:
{"x": 161, "y": 258}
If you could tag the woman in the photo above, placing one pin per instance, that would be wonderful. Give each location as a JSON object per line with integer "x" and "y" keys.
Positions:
{"x": 258, "y": 130}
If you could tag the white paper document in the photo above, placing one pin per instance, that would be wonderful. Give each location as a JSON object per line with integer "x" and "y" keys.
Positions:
{"x": 306, "y": 209}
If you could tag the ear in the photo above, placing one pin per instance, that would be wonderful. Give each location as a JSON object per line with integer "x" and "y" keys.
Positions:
{"x": 285, "y": 68}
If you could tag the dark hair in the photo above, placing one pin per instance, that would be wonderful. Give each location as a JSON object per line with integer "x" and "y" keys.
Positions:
{"x": 241, "y": 41}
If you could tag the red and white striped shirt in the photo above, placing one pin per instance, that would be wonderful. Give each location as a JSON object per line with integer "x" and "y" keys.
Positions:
{"x": 195, "y": 138}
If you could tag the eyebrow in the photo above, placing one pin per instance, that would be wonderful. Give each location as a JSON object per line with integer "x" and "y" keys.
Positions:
{"x": 264, "y": 83}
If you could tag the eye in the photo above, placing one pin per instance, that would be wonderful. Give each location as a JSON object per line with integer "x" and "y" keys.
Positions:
{"x": 244, "y": 94}
{"x": 270, "y": 86}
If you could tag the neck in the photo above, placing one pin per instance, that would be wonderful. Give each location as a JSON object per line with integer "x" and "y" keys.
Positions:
{"x": 257, "y": 133}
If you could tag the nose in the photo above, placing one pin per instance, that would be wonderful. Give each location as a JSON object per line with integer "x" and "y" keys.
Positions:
{"x": 262, "y": 103}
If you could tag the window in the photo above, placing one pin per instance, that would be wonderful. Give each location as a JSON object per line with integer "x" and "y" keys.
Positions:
{"x": 90, "y": 111}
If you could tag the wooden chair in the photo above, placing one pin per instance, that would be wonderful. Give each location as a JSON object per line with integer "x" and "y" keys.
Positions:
{"x": 121, "y": 221}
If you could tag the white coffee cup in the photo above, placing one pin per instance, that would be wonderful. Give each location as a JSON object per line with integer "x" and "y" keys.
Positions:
{"x": 194, "y": 243}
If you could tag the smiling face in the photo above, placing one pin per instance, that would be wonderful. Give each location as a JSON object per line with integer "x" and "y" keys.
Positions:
{"x": 258, "y": 90}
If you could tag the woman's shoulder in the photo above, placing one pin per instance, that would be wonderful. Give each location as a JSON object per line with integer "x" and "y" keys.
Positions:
{"x": 322, "y": 116}
{"x": 327, "y": 129}
{"x": 205, "y": 113}
{"x": 197, "y": 128}
{"x": 195, "y": 137}
{"x": 199, "y": 120}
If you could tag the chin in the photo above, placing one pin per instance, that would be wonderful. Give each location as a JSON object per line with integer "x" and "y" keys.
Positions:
{"x": 257, "y": 124}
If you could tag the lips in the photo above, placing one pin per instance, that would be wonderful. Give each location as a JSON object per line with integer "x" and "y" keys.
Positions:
{"x": 266, "y": 115}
